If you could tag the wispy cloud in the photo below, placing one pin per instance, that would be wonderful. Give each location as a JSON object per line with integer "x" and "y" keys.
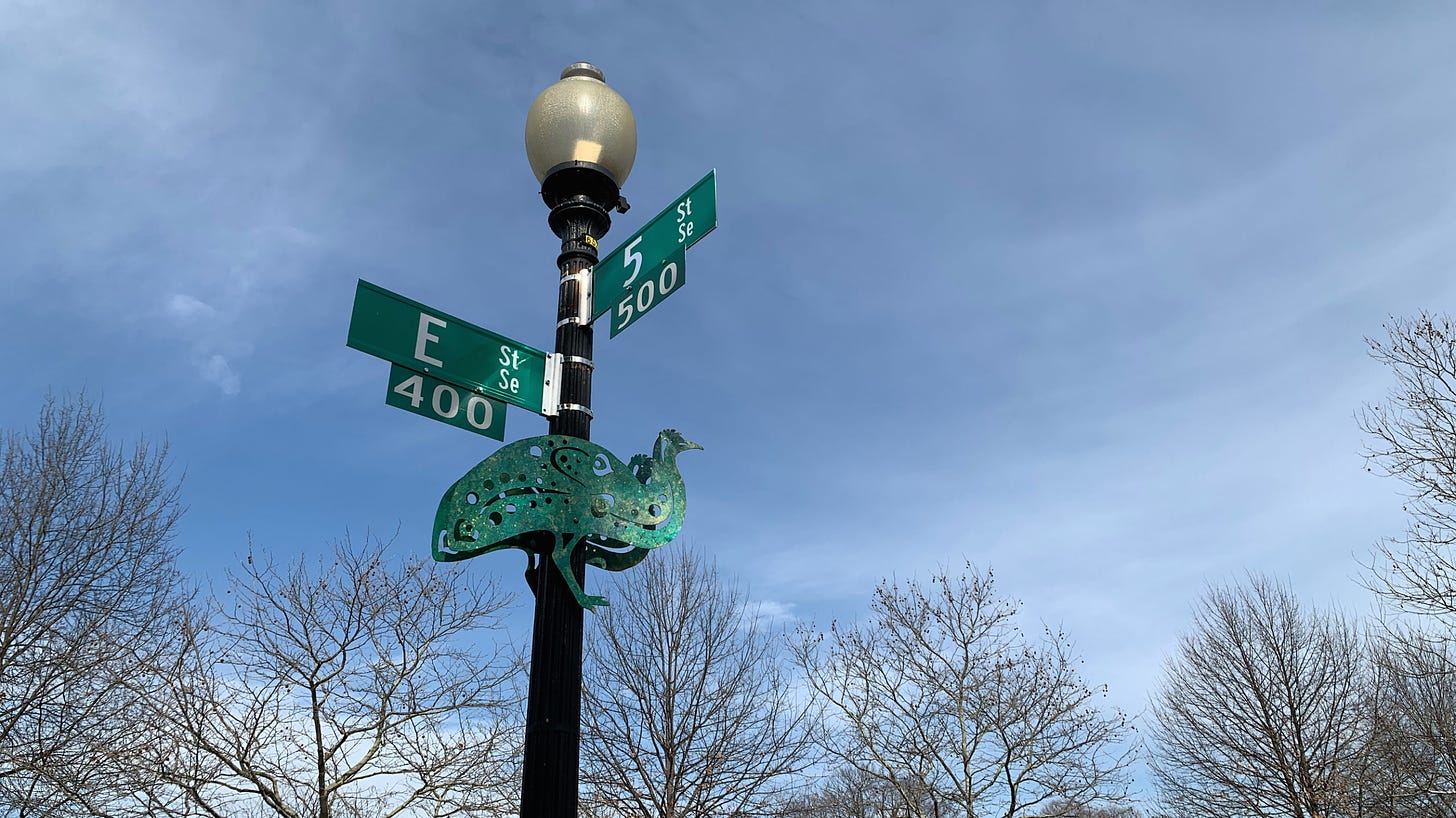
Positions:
{"x": 206, "y": 334}
{"x": 187, "y": 309}
{"x": 771, "y": 612}
{"x": 217, "y": 371}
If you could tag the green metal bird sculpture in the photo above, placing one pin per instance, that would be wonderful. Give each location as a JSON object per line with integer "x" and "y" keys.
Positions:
{"x": 557, "y": 493}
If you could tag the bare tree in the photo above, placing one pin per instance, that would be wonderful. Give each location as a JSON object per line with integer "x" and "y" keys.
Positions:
{"x": 848, "y": 793}
{"x": 1261, "y": 711}
{"x": 88, "y": 590}
{"x": 1071, "y": 810}
{"x": 687, "y": 709}
{"x": 1410, "y": 761}
{"x": 1413, "y": 438}
{"x": 360, "y": 685}
{"x": 941, "y": 697}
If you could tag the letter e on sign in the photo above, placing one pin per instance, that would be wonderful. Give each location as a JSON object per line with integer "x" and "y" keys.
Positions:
{"x": 424, "y": 337}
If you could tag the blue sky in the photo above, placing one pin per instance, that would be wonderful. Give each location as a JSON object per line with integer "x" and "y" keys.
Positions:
{"x": 1076, "y": 291}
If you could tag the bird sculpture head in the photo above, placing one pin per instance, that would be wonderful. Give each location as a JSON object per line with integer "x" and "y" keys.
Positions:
{"x": 670, "y": 442}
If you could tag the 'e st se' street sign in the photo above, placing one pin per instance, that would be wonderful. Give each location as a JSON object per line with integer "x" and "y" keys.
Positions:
{"x": 427, "y": 341}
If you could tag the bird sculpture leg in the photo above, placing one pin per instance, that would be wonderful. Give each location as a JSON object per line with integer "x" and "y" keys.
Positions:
{"x": 561, "y": 555}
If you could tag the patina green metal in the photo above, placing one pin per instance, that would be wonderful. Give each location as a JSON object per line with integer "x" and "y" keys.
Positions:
{"x": 554, "y": 494}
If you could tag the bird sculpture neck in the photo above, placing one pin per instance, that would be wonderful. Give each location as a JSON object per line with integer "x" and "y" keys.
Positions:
{"x": 661, "y": 470}
{"x": 665, "y": 451}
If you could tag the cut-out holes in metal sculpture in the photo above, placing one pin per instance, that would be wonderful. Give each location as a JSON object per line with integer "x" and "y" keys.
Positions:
{"x": 556, "y": 494}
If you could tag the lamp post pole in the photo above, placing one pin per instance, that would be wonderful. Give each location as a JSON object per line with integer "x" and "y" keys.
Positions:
{"x": 581, "y": 140}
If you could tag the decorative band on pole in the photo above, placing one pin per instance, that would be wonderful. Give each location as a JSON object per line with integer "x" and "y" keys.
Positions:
{"x": 579, "y": 361}
{"x": 583, "y": 280}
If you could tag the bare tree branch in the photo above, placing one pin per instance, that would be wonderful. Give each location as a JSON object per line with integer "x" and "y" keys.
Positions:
{"x": 1410, "y": 765}
{"x": 88, "y": 591}
{"x": 359, "y": 686}
{"x": 1413, "y": 438}
{"x": 687, "y": 710}
{"x": 1261, "y": 711}
{"x": 941, "y": 699}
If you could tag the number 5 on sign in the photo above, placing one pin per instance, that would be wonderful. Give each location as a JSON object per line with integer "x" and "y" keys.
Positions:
{"x": 645, "y": 288}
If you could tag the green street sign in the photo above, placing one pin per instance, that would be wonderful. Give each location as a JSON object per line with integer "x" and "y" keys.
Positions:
{"x": 626, "y": 272}
{"x": 419, "y": 393}
{"x": 406, "y": 332}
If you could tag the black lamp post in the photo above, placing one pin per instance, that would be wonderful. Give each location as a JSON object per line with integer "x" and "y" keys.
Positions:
{"x": 581, "y": 140}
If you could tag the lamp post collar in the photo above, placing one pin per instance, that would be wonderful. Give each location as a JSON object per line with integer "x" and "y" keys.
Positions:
{"x": 583, "y": 69}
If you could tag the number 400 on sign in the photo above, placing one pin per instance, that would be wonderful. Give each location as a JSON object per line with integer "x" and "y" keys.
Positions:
{"x": 419, "y": 393}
